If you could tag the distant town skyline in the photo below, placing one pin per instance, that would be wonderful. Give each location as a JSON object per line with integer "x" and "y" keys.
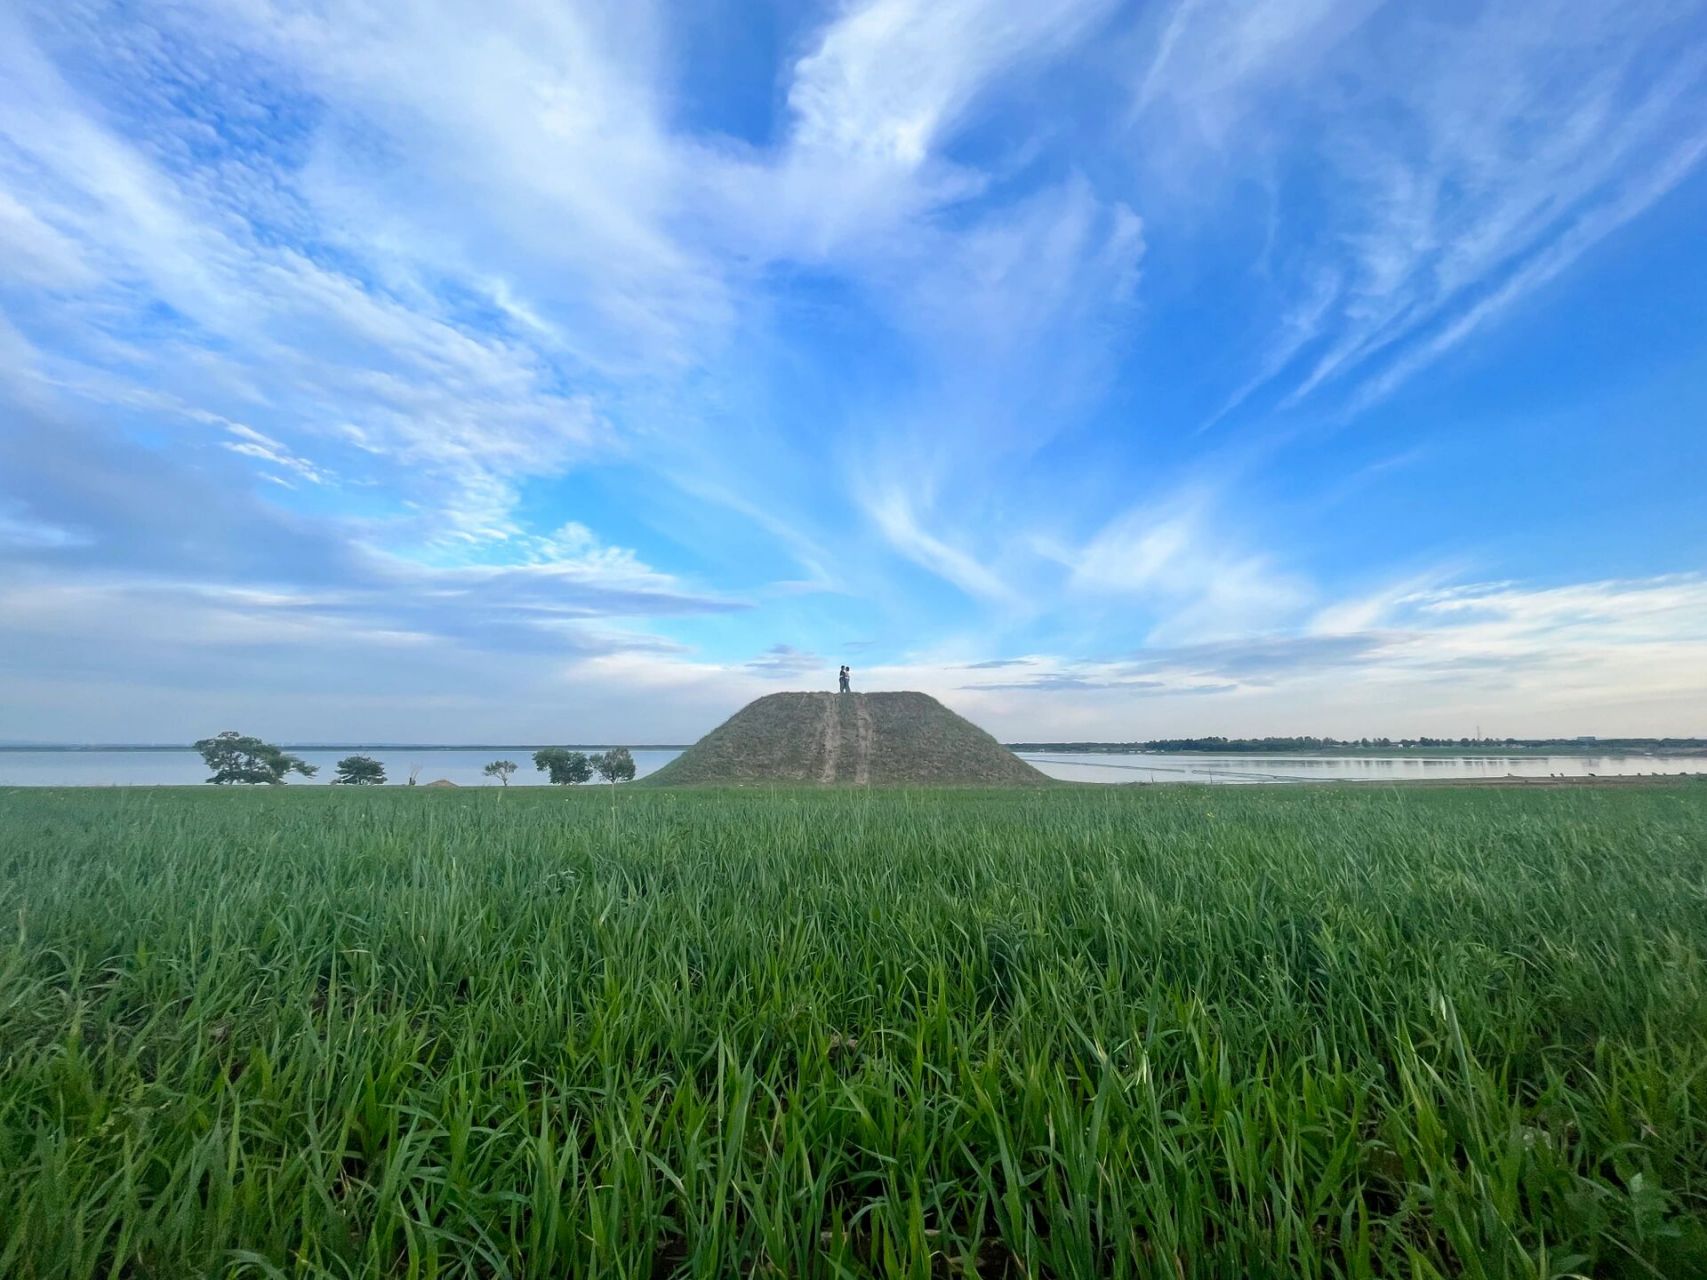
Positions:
{"x": 554, "y": 372}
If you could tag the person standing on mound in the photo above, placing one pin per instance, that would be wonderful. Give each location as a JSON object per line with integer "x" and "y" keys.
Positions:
{"x": 842, "y": 680}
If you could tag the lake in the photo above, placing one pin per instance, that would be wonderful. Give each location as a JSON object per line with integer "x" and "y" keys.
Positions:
{"x": 1238, "y": 767}
{"x": 184, "y": 767}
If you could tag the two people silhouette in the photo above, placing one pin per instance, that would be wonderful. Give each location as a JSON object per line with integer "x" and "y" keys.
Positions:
{"x": 842, "y": 680}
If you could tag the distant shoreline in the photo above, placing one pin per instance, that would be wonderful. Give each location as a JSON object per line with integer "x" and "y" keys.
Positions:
{"x": 1616, "y": 747}
{"x": 1491, "y": 750}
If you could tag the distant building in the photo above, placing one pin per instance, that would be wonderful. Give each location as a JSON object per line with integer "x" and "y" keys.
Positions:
{"x": 1586, "y": 738}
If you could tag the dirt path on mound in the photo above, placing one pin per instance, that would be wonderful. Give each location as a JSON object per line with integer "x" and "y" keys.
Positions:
{"x": 866, "y": 734}
{"x": 832, "y": 738}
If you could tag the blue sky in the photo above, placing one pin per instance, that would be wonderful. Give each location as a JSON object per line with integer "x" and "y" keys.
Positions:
{"x": 548, "y": 371}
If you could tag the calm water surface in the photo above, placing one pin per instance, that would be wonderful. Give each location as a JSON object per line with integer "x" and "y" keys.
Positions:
{"x": 1239, "y": 767}
{"x": 178, "y": 768}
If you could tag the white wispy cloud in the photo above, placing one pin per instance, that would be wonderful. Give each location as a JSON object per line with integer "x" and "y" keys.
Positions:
{"x": 891, "y": 77}
{"x": 872, "y": 105}
{"x": 254, "y": 444}
{"x": 1014, "y": 321}
{"x": 37, "y": 254}
{"x": 1211, "y": 61}
{"x": 1468, "y": 162}
{"x": 1181, "y": 560}
{"x": 363, "y": 343}
{"x": 900, "y": 524}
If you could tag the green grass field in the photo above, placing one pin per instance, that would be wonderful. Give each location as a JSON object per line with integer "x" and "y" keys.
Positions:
{"x": 1072, "y": 1032}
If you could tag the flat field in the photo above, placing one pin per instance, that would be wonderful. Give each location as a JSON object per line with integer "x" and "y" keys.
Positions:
{"x": 1077, "y": 1032}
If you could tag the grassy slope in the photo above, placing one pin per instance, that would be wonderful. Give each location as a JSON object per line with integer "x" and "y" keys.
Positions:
{"x": 773, "y": 739}
{"x": 1164, "y": 1032}
{"x": 781, "y": 738}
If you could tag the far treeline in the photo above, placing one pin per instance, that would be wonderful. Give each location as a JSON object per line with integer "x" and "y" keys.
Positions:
{"x": 237, "y": 758}
{"x": 1372, "y": 744}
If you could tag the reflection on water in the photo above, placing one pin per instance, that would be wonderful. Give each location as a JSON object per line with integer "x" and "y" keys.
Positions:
{"x": 1236, "y": 767}
{"x": 180, "y": 768}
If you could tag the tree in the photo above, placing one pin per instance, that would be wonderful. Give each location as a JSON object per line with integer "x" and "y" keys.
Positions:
{"x": 501, "y": 770}
{"x": 615, "y": 765}
{"x": 359, "y": 771}
{"x": 236, "y": 757}
{"x": 564, "y": 766}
